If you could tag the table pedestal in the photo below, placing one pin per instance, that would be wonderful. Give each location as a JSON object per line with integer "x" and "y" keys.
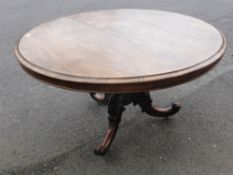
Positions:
{"x": 116, "y": 105}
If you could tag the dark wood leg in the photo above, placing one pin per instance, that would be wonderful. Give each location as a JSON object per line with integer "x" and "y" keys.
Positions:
{"x": 145, "y": 102}
{"x": 115, "y": 110}
{"x": 116, "y": 107}
{"x": 103, "y": 148}
{"x": 101, "y": 98}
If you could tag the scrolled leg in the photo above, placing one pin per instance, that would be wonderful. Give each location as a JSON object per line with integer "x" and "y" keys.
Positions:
{"x": 145, "y": 102}
{"x": 116, "y": 107}
{"x": 103, "y": 148}
{"x": 115, "y": 110}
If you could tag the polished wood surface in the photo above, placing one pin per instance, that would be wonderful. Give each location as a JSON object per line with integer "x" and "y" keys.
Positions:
{"x": 120, "y": 50}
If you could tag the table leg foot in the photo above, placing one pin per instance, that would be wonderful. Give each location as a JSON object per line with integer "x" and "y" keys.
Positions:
{"x": 115, "y": 109}
{"x": 103, "y": 148}
{"x": 144, "y": 100}
{"x": 101, "y": 98}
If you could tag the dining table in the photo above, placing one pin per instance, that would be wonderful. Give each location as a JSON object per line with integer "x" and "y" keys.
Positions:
{"x": 119, "y": 56}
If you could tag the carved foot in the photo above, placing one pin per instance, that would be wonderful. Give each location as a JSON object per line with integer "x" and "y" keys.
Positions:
{"x": 162, "y": 112}
{"x": 115, "y": 109}
{"x": 101, "y": 98}
{"x": 103, "y": 148}
{"x": 145, "y": 102}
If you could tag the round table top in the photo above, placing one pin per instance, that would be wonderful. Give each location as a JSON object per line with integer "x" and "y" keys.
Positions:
{"x": 125, "y": 50}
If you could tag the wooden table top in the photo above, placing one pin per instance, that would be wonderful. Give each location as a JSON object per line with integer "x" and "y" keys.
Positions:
{"x": 126, "y": 50}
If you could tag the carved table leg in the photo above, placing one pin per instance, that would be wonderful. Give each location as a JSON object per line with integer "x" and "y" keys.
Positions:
{"x": 115, "y": 110}
{"x": 101, "y": 98}
{"x": 116, "y": 103}
{"x": 145, "y": 102}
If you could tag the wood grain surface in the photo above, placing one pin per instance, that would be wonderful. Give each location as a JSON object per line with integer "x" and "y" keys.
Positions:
{"x": 125, "y": 50}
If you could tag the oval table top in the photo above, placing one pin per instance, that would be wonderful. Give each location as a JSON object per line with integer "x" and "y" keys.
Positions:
{"x": 126, "y": 50}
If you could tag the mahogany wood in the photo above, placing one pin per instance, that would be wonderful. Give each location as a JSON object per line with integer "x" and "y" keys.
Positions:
{"x": 120, "y": 50}
{"x": 123, "y": 54}
{"x": 116, "y": 106}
